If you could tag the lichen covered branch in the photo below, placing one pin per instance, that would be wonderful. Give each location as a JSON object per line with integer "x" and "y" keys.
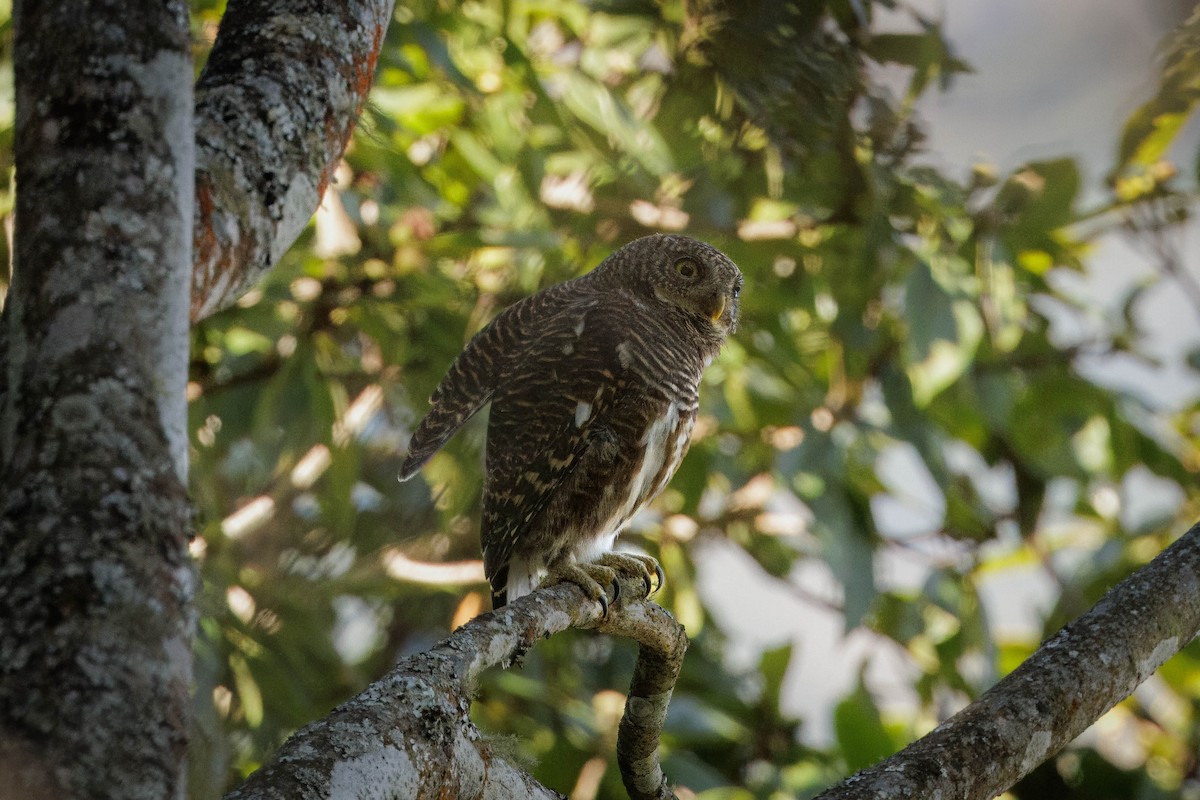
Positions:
{"x": 1075, "y": 676}
{"x": 662, "y": 643}
{"x": 410, "y": 734}
{"x": 275, "y": 107}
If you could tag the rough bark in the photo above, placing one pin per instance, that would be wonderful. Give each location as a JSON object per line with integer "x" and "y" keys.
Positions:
{"x": 275, "y": 106}
{"x": 1075, "y": 676}
{"x": 95, "y": 581}
{"x": 410, "y": 734}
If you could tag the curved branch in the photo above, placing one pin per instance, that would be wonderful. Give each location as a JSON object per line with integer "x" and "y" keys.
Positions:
{"x": 275, "y": 106}
{"x": 410, "y": 733}
{"x": 662, "y": 643}
{"x": 1075, "y": 676}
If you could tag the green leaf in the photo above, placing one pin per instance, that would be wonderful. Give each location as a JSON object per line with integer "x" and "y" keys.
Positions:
{"x": 693, "y": 720}
{"x": 1193, "y": 359}
{"x": 1041, "y": 195}
{"x": 1151, "y": 130}
{"x": 773, "y": 667}
{"x": 687, "y": 769}
{"x": 726, "y": 793}
{"x": 240, "y": 341}
{"x": 945, "y": 330}
{"x": 1050, "y": 426}
{"x": 928, "y": 53}
{"x": 611, "y": 117}
{"x": 860, "y": 732}
{"x": 248, "y": 692}
{"x": 421, "y": 108}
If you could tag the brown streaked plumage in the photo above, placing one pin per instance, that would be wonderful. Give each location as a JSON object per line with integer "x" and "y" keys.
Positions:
{"x": 594, "y": 387}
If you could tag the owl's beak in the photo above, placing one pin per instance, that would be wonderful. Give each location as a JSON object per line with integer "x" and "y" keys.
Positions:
{"x": 718, "y": 309}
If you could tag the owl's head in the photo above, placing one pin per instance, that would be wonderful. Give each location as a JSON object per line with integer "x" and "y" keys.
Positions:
{"x": 684, "y": 274}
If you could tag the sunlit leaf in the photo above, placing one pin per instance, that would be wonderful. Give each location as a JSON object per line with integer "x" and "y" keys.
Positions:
{"x": 945, "y": 331}
{"x": 1152, "y": 129}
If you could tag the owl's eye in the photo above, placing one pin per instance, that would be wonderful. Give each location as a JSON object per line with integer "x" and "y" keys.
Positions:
{"x": 687, "y": 268}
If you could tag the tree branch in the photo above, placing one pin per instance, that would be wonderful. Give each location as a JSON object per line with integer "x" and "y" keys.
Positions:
{"x": 1075, "y": 676}
{"x": 662, "y": 643}
{"x": 275, "y": 106}
{"x": 410, "y": 734}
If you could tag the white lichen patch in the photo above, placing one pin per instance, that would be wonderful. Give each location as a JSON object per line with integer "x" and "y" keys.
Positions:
{"x": 649, "y": 710}
{"x": 472, "y": 772}
{"x": 70, "y": 329}
{"x": 1035, "y": 751}
{"x": 298, "y": 205}
{"x": 1162, "y": 651}
{"x": 556, "y": 620}
{"x": 76, "y": 412}
{"x": 166, "y": 79}
{"x": 384, "y": 773}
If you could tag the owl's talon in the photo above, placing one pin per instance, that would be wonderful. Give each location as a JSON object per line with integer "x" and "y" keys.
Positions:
{"x": 592, "y": 579}
{"x": 661, "y": 578}
{"x": 635, "y": 566}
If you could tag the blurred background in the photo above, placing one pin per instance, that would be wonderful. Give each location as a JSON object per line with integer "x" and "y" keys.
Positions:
{"x": 963, "y": 401}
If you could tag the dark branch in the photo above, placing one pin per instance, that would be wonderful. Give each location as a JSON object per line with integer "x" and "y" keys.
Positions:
{"x": 662, "y": 644}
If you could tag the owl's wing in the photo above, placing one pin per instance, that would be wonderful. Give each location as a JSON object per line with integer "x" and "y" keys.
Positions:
{"x": 475, "y": 375}
{"x": 553, "y": 407}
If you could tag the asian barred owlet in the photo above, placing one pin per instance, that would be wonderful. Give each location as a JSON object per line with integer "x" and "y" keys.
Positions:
{"x": 593, "y": 385}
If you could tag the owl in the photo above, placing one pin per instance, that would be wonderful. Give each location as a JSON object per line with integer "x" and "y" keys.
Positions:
{"x": 593, "y": 385}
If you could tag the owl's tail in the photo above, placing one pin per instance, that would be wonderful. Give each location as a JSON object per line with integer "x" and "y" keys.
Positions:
{"x": 433, "y": 432}
{"x": 475, "y": 374}
{"x": 446, "y": 417}
{"x": 512, "y": 581}
{"x": 465, "y": 389}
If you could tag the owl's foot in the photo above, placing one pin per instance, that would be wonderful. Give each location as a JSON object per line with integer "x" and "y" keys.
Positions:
{"x": 636, "y": 566}
{"x": 591, "y": 578}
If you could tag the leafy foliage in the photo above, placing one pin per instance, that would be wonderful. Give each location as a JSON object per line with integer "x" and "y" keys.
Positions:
{"x": 899, "y": 349}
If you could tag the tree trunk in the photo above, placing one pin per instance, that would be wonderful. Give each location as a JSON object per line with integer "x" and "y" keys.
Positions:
{"x": 115, "y": 190}
{"x": 95, "y": 581}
